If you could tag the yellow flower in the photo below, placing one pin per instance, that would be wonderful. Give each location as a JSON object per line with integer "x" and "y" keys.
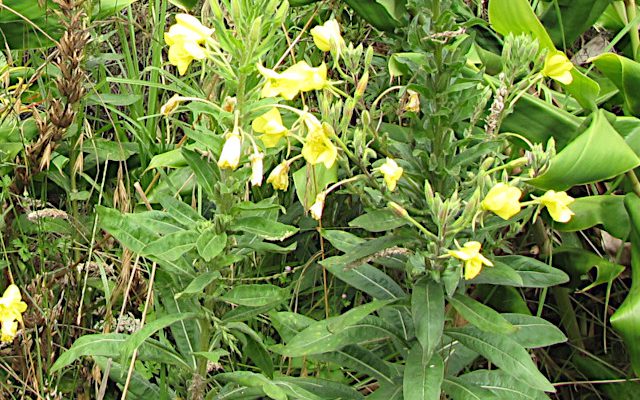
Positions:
{"x": 473, "y": 260}
{"x": 270, "y": 124}
{"x": 11, "y": 309}
{"x": 327, "y": 37}
{"x": 392, "y": 173}
{"x": 413, "y": 102}
{"x": 558, "y": 67}
{"x": 317, "y": 207}
{"x": 299, "y": 77}
{"x": 503, "y": 200}
{"x": 557, "y": 204}
{"x": 318, "y": 148}
{"x": 230, "y": 155}
{"x": 257, "y": 168}
{"x": 279, "y": 177}
{"x": 185, "y": 38}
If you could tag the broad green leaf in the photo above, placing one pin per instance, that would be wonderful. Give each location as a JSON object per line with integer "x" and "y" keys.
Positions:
{"x": 172, "y": 246}
{"x": 534, "y": 332}
{"x": 503, "y": 385}
{"x": 422, "y": 375}
{"x": 311, "y": 180}
{"x": 517, "y": 17}
{"x": 479, "y": 315}
{"x": 139, "y": 386}
{"x": 505, "y": 353}
{"x": 458, "y": 389}
{"x": 578, "y": 262}
{"x": 597, "y": 154}
{"x": 575, "y": 17}
{"x": 368, "y": 251}
{"x": 360, "y": 360}
{"x": 327, "y": 389}
{"x": 255, "y": 295}
{"x": 499, "y": 274}
{"x": 136, "y": 340}
{"x": 406, "y": 64}
{"x": 186, "y": 333}
{"x": 427, "y": 309}
{"x": 592, "y": 369}
{"x": 130, "y": 234}
{"x": 605, "y": 210}
{"x": 157, "y": 221}
{"x": 251, "y": 379}
{"x": 385, "y": 15}
{"x": 378, "y": 221}
{"x": 181, "y": 211}
{"x": 626, "y": 319}
{"x": 169, "y": 159}
{"x": 104, "y": 149}
{"x": 184, "y": 4}
{"x": 213, "y": 356}
{"x": 211, "y": 244}
{"x": 206, "y": 173}
{"x": 198, "y": 284}
{"x": 625, "y": 74}
{"x": 257, "y": 352}
{"x": 264, "y": 228}
{"x": 534, "y": 273}
{"x": 584, "y": 89}
{"x": 111, "y": 345}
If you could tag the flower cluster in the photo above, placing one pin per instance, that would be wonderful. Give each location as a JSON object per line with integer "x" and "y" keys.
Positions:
{"x": 11, "y": 309}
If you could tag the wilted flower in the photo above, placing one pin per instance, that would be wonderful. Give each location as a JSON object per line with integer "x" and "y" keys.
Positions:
{"x": 279, "y": 177}
{"x": 318, "y": 148}
{"x": 557, "y": 204}
{"x": 503, "y": 200}
{"x": 558, "y": 67}
{"x": 185, "y": 38}
{"x": 11, "y": 309}
{"x": 299, "y": 77}
{"x": 392, "y": 173}
{"x": 317, "y": 207}
{"x": 257, "y": 168}
{"x": 473, "y": 260}
{"x": 230, "y": 155}
{"x": 270, "y": 124}
{"x": 327, "y": 37}
{"x": 168, "y": 107}
{"x": 413, "y": 102}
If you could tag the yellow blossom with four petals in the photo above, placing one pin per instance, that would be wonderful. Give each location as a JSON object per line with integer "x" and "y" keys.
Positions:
{"x": 11, "y": 309}
{"x": 185, "y": 39}
{"x": 557, "y": 203}
{"x": 473, "y": 259}
{"x": 299, "y": 77}
{"x": 558, "y": 67}
{"x": 318, "y": 147}
{"x": 327, "y": 37}
{"x": 271, "y": 127}
{"x": 503, "y": 200}
{"x": 391, "y": 173}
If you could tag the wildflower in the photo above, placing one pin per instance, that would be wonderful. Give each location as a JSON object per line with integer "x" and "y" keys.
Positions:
{"x": 558, "y": 67}
{"x": 317, "y": 207}
{"x": 392, "y": 173}
{"x": 473, "y": 260}
{"x": 185, "y": 38}
{"x": 318, "y": 148}
{"x": 327, "y": 37}
{"x": 413, "y": 102}
{"x": 299, "y": 77}
{"x": 279, "y": 177}
{"x": 503, "y": 200}
{"x": 257, "y": 168}
{"x": 557, "y": 204}
{"x": 230, "y": 155}
{"x": 270, "y": 125}
{"x": 11, "y": 309}
{"x": 168, "y": 107}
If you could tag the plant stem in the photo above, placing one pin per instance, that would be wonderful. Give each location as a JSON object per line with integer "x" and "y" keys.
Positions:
{"x": 635, "y": 183}
{"x": 630, "y": 6}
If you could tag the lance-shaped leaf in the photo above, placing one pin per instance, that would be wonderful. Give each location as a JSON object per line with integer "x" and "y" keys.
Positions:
{"x": 575, "y": 17}
{"x": 625, "y": 74}
{"x": 517, "y": 17}
{"x": 481, "y": 316}
{"x": 263, "y": 227}
{"x": 627, "y": 318}
{"x": 599, "y": 153}
{"x": 606, "y": 210}
{"x": 578, "y": 262}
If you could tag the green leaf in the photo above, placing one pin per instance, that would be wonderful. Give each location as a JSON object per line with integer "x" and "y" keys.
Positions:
{"x": 517, "y": 17}
{"x": 169, "y": 159}
{"x": 385, "y": 15}
{"x": 578, "y": 262}
{"x": 206, "y": 173}
{"x": 422, "y": 376}
{"x": 625, "y": 75}
{"x": 359, "y": 360}
{"x": 264, "y": 228}
{"x": 311, "y": 180}
{"x": 458, "y": 389}
{"x": 479, "y": 315}
{"x": 499, "y": 274}
{"x": 534, "y": 273}
{"x": 597, "y": 154}
{"x": 427, "y": 309}
{"x": 328, "y": 389}
{"x": 575, "y": 17}
{"x": 378, "y": 221}
{"x": 198, "y": 284}
{"x": 606, "y": 210}
{"x": 256, "y": 295}
{"x": 503, "y": 385}
{"x": 139, "y": 386}
{"x": 104, "y": 150}
{"x": 172, "y": 246}
{"x": 534, "y": 332}
{"x": 626, "y": 319}
{"x": 210, "y": 244}
{"x": 213, "y": 356}
{"x": 505, "y": 353}
{"x": 584, "y": 89}
{"x": 127, "y": 232}
{"x": 184, "y": 4}
{"x": 180, "y": 211}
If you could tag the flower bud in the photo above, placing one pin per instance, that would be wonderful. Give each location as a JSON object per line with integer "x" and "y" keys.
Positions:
{"x": 231, "y": 151}
{"x": 317, "y": 207}
{"x": 257, "y": 168}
